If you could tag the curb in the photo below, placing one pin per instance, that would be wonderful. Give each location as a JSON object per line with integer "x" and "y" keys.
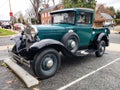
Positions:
{"x": 26, "y": 77}
{"x": 3, "y": 58}
{"x": 6, "y": 47}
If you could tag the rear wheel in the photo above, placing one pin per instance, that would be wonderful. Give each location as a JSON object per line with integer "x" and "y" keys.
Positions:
{"x": 47, "y": 63}
{"x": 101, "y": 49}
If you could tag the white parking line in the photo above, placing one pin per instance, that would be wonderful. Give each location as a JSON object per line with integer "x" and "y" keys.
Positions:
{"x": 87, "y": 75}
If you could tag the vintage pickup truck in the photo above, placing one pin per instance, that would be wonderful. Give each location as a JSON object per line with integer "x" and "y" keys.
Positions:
{"x": 39, "y": 46}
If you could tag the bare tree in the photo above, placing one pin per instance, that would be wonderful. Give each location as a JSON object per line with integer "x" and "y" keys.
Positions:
{"x": 45, "y": 3}
{"x": 109, "y": 10}
{"x": 53, "y": 2}
{"x": 36, "y": 5}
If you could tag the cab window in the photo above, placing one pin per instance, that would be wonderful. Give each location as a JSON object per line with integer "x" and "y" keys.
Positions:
{"x": 84, "y": 18}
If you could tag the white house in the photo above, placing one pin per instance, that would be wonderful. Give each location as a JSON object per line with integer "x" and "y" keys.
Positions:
{"x": 108, "y": 19}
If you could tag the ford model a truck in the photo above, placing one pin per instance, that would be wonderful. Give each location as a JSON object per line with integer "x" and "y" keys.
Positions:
{"x": 70, "y": 32}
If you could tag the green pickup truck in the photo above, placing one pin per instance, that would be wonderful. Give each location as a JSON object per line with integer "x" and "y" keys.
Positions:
{"x": 71, "y": 33}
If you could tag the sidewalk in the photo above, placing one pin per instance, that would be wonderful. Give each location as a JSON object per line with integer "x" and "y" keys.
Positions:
{"x": 6, "y": 47}
{"x": 4, "y": 51}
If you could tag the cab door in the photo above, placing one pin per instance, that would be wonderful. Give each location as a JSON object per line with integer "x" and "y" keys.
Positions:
{"x": 84, "y": 27}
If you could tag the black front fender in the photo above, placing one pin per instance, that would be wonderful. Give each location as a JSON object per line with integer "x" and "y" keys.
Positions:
{"x": 17, "y": 41}
{"x": 49, "y": 43}
{"x": 45, "y": 43}
{"x": 15, "y": 38}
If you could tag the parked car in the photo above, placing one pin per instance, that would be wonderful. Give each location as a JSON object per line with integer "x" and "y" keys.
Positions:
{"x": 6, "y": 25}
{"x": 18, "y": 26}
{"x": 71, "y": 31}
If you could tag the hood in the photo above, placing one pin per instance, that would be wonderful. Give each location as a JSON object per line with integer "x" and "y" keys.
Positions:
{"x": 53, "y": 31}
{"x": 52, "y": 27}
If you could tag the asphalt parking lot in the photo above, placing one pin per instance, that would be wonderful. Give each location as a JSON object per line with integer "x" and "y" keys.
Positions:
{"x": 85, "y": 73}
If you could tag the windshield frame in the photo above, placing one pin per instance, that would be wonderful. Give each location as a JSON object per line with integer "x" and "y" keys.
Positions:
{"x": 52, "y": 14}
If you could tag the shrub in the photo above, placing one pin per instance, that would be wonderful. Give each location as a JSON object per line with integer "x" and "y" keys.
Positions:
{"x": 117, "y": 21}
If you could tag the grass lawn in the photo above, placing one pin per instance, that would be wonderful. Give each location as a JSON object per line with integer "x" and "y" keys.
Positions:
{"x": 4, "y": 32}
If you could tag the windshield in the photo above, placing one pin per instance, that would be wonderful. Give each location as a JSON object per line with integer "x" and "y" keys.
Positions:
{"x": 64, "y": 18}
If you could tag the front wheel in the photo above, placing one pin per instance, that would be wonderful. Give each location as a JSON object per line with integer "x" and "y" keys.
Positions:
{"x": 101, "y": 49}
{"x": 47, "y": 63}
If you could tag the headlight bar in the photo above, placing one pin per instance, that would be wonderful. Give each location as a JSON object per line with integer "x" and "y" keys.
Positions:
{"x": 34, "y": 30}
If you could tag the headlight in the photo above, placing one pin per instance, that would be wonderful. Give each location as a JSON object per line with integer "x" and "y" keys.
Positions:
{"x": 34, "y": 31}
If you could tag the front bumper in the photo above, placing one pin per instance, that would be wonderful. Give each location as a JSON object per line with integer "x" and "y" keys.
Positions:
{"x": 19, "y": 59}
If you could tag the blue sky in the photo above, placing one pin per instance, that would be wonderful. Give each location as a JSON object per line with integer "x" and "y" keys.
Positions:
{"x": 22, "y": 5}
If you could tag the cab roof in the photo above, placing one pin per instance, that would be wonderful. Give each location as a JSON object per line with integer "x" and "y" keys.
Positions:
{"x": 73, "y": 9}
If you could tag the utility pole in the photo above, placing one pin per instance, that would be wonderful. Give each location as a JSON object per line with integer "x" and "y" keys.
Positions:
{"x": 11, "y": 14}
{"x": 10, "y": 5}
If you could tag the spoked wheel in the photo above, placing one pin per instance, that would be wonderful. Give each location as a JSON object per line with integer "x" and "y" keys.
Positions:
{"x": 71, "y": 41}
{"x": 47, "y": 63}
{"x": 101, "y": 49}
{"x": 72, "y": 44}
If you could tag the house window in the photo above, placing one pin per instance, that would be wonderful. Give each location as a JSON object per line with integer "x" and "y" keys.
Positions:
{"x": 48, "y": 13}
{"x": 48, "y": 21}
{"x": 43, "y": 22}
{"x": 45, "y": 14}
{"x": 42, "y": 14}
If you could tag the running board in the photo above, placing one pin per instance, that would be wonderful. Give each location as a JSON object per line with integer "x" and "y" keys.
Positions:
{"x": 84, "y": 52}
{"x": 27, "y": 78}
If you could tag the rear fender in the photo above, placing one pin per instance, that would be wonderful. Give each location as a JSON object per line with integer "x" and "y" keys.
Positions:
{"x": 103, "y": 36}
{"x": 97, "y": 40}
{"x": 100, "y": 36}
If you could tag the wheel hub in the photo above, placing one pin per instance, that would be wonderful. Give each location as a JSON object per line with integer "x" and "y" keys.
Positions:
{"x": 49, "y": 63}
{"x": 72, "y": 43}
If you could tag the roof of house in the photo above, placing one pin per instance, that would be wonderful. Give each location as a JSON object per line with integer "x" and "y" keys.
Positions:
{"x": 48, "y": 9}
{"x": 106, "y": 16}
